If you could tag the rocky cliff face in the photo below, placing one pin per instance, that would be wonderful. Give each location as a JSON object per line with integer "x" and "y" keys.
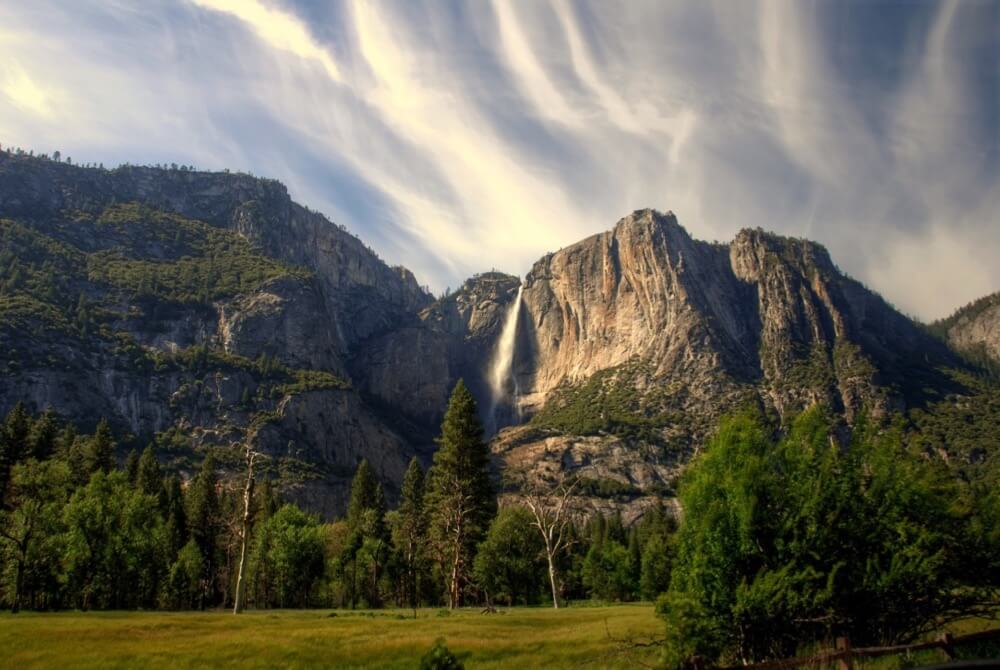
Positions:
{"x": 643, "y": 336}
{"x": 764, "y": 311}
{"x": 363, "y": 293}
{"x": 974, "y": 329}
{"x": 204, "y": 306}
{"x": 412, "y": 369}
{"x": 203, "y": 310}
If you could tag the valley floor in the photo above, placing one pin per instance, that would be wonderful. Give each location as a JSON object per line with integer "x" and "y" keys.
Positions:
{"x": 572, "y": 637}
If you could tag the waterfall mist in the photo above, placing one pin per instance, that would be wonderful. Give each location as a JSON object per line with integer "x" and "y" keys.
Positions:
{"x": 502, "y": 362}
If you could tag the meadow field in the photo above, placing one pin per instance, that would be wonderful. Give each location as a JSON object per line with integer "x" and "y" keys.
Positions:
{"x": 572, "y": 637}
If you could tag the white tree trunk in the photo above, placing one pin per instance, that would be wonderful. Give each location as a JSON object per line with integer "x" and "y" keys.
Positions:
{"x": 247, "y": 500}
{"x": 552, "y": 579}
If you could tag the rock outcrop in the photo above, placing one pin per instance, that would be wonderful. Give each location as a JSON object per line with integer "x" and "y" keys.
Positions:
{"x": 974, "y": 329}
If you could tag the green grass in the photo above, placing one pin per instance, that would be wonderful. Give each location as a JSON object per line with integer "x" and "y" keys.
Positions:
{"x": 573, "y": 637}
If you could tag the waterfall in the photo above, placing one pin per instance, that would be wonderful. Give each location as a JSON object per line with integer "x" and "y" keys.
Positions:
{"x": 503, "y": 360}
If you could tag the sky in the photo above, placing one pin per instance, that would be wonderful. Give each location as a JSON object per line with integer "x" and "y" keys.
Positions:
{"x": 458, "y": 136}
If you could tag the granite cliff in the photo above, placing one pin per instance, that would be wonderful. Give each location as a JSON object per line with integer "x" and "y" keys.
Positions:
{"x": 974, "y": 330}
{"x": 205, "y": 310}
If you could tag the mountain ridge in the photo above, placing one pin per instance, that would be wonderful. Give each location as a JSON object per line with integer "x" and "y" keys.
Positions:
{"x": 264, "y": 321}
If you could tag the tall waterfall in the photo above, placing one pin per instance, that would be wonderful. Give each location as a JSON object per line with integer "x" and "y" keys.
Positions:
{"x": 503, "y": 360}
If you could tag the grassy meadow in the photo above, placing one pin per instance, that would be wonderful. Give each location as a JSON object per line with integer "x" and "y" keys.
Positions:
{"x": 572, "y": 637}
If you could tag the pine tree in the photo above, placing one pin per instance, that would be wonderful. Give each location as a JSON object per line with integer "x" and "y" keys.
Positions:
{"x": 411, "y": 529}
{"x": 132, "y": 466}
{"x": 101, "y": 449}
{"x": 634, "y": 554}
{"x": 13, "y": 442}
{"x": 176, "y": 529}
{"x": 266, "y": 502}
{"x": 366, "y": 521}
{"x": 149, "y": 477}
{"x": 203, "y": 523}
{"x": 460, "y": 495}
{"x": 366, "y": 495}
{"x": 44, "y": 436}
{"x": 64, "y": 441}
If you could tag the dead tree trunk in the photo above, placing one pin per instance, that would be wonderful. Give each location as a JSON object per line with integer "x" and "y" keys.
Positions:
{"x": 552, "y": 509}
{"x": 247, "y": 502}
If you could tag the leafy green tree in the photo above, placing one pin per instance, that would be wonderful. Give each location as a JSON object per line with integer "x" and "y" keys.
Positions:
{"x": 654, "y": 576}
{"x": 114, "y": 544}
{"x": 38, "y": 492}
{"x": 789, "y": 542}
{"x": 460, "y": 495}
{"x": 509, "y": 564}
{"x": 289, "y": 547}
{"x": 607, "y": 572}
{"x": 183, "y": 584}
{"x": 656, "y": 532}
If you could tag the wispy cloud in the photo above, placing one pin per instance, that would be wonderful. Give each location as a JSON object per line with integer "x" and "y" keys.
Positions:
{"x": 456, "y": 137}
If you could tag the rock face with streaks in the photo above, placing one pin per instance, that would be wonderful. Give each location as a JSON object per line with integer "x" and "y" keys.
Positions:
{"x": 199, "y": 310}
{"x": 639, "y": 338}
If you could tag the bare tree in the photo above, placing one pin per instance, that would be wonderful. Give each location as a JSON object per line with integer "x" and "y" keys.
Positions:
{"x": 552, "y": 505}
{"x": 247, "y": 503}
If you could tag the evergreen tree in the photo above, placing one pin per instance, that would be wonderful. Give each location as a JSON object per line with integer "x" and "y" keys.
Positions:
{"x": 369, "y": 540}
{"x": 131, "y": 467}
{"x": 13, "y": 442}
{"x": 654, "y": 577}
{"x": 176, "y": 516}
{"x": 410, "y": 531}
{"x": 634, "y": 554}
{"x": 366, "y": 496}
{"x": 44, "y": 436}
{"x": 203, "y": 524}
{"x": 607, "y": 572}
{"x": 460, "y": 495}
{"x": 266, "y": 501}
{"x": 64, "y": 441}
{"x": 78, "y": 458}
{"x": 183, "y": 587}
{"x": 101, "y": 449}
{"x": 149, "y": 476}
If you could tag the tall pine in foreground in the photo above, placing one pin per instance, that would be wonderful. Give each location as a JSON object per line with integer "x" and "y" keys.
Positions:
{"x": 460, "y": 497}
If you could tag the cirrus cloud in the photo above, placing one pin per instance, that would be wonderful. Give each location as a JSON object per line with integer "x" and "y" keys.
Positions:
{"x": 457, "y": 137}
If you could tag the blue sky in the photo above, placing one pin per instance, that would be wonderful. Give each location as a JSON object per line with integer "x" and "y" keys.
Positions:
{"x": 459, "y": 136}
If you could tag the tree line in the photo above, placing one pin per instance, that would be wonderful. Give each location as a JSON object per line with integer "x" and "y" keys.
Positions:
{"x": 79, "y": 530}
